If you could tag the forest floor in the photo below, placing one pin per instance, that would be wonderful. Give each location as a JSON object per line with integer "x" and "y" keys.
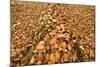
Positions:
{"x": 51, "y": 33}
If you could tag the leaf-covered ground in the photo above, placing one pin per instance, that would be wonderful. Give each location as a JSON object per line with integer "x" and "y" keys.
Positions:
{"x": 48, "y": 33}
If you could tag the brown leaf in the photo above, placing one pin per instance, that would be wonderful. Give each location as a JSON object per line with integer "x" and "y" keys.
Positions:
{"x": 58, "y": 28}
{"x": 52, "y": 57}
{"x": 63, "y": 45}
{"x": 61, "y": 36}
{"x": 69, "y": 47}
{"x": 32, "y": 60}
{"x": 40, "y": 45}
{"x": 39, "y": 62}
{"x": 57, "y": 55}
{"x": 55, "y": 46}
{"x": 65, "y": 57}
{"x": 74, "y": 57}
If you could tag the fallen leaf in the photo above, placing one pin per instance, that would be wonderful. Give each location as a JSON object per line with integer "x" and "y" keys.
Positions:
{"x": 52, "y": 57}
{"x": 32, "y": 60}
{"x": 40, "y": 45}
